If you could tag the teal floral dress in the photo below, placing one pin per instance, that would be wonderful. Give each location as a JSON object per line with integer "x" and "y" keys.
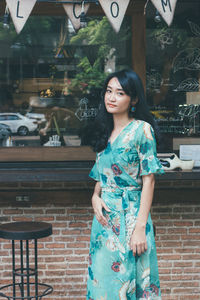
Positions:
{"x": 113, "y": 272}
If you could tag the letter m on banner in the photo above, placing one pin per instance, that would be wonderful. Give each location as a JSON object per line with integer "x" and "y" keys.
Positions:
{"x": 166, "y": 8}
{"x": 166, "y": 4}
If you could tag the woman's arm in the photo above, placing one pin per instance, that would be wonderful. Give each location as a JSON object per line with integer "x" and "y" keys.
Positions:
{"x": 138, "y": 239}
{"x": 98, "y": 204}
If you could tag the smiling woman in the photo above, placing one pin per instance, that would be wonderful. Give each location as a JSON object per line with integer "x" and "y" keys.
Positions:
{"x": 116, "y": 100}
{"x": 122, "y": 231}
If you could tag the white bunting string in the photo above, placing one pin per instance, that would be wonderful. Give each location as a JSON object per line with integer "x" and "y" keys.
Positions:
{"x": 166, "y": 9}
{"x": 115, "y": 11}
{"x": 73, "y": 11}
{"x": 20, "y": 11}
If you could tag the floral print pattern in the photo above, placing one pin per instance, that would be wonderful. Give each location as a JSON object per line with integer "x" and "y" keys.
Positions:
{"x": 113, "y": 272}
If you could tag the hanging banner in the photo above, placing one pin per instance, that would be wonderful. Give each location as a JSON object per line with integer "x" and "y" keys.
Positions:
{"x": 20, "y": 10}
{"x": 115, "y": 11}
{"x": 166, "y": 9}
{"x": 73, "y": 11}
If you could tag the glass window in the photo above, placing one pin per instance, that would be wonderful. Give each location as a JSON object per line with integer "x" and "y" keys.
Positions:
{"x": 173, "y": 73}
{"x": 2, "y": 117}
{"x": 51, "y": 77}
{"x": 13, "y": 117}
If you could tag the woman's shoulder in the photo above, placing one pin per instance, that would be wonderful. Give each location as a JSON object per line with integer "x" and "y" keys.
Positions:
{"x": 143, "y": 131}
{"x": 142, "y": 126}
{"x": 143, "y": 123}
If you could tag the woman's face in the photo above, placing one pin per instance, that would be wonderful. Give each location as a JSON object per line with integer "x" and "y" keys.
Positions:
{"x": 116, "y": 100}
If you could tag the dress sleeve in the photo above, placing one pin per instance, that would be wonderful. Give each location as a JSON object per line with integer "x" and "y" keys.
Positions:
{"x": 146, "y": 148}
{"x": 94, "y": 173}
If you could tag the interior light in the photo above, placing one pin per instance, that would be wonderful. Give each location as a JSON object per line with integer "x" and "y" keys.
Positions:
{"x": 157, "y": 17}
{"x": 83, "y": 20}
{"x": 6, "y": 19}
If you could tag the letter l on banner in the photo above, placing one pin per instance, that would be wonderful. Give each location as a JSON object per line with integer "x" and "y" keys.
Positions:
{"x": 115, "y": 11}
{"x": 166, "y": 9}
{"x": 20, "y": 11}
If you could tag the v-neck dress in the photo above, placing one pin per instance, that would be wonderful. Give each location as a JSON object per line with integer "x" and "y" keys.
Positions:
{"x": 114, "y": 273}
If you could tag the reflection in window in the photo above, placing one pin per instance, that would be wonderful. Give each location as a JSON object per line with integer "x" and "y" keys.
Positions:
{"x": 51, "y": 77}
{"x": 173, "y": 78}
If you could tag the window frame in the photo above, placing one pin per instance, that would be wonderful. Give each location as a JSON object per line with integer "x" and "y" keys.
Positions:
{"x": 80, "y": 153}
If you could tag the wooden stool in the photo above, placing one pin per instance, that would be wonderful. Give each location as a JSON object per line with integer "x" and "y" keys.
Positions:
{"x": 27, "y": 286}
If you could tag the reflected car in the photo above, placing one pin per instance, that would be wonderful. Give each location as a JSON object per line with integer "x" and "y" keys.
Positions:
{"x": 18, "y": 123}
{"x": 35, "y": 116}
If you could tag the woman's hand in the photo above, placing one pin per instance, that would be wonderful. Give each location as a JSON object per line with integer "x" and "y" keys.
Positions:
{"x": 138, "y": 242}
{"x": 98, "y": 205}
{"x": 43, "y": 132}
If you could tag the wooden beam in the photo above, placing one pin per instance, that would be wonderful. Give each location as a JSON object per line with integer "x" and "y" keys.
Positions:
{"x": 138, "y": 40}
{"x": 46, "y": 154}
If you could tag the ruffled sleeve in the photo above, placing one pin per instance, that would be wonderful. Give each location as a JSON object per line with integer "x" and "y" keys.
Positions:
{"x": 94, "y": 173}
{"x": 146, "y": 148}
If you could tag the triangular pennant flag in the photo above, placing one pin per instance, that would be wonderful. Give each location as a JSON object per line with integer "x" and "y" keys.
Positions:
{"x": 91, "y": 51}
{"x": 73, "y": 11}
{"x": 166, "y": 9}
{"x": 115, "y": 11}
{"x": 20, "y": 11}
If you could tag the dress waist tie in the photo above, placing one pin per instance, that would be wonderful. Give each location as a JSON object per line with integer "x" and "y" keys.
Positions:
{"x": 125, "y": 193}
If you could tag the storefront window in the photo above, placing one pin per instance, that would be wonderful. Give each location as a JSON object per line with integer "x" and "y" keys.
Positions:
{"x": 173, "y": 76}
{"x": 51, "y": 77}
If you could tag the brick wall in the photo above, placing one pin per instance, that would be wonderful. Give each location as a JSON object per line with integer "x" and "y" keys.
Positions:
{"x": 63, "y": 256}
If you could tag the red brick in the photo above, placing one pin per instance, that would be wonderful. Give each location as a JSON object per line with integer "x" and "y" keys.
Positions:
{"x": 77, "y": 211}
{"x": 177, "y": 231}
{"x": 77, "y": 224}
{"x": 22, "y": 219}
{"x": 183, "y": 224}
{"x": 55, "y": 211}
{"x": 44, "y": 219}
{"x": 76, "y": 245}
{"x": 183, "y": 264}
{"x": 71, "y": 232}
{"x": 194, "y": 230}
{"x": 13, "y": 211}
{"x": 55, "y": 245}
{"x": 77, "y": 266}
{"x": 66, "y": 267}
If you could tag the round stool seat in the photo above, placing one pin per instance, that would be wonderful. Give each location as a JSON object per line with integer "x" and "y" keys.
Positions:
{"x": 25, "y": 285}
{"x": 25, "y": 230}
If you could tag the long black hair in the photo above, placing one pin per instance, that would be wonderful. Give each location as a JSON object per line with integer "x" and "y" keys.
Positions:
{"x": 133, "y": 87}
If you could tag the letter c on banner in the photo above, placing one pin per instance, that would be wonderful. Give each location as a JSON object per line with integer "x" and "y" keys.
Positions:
{"x": 114, "y": 5}
{"x": 74, "y": 12}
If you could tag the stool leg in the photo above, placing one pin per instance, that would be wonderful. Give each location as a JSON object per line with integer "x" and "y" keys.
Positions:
{"x": 13, "y": 267}
{"x": 36, "y": 271}
{"x": 27, "y": 268}
{"x": 22, "y": 269}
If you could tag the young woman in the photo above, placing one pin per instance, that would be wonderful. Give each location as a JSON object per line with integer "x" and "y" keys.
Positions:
{"x": 122, "y": 260}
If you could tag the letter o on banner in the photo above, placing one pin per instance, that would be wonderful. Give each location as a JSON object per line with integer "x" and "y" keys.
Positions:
{"x": 115, "y": 11}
